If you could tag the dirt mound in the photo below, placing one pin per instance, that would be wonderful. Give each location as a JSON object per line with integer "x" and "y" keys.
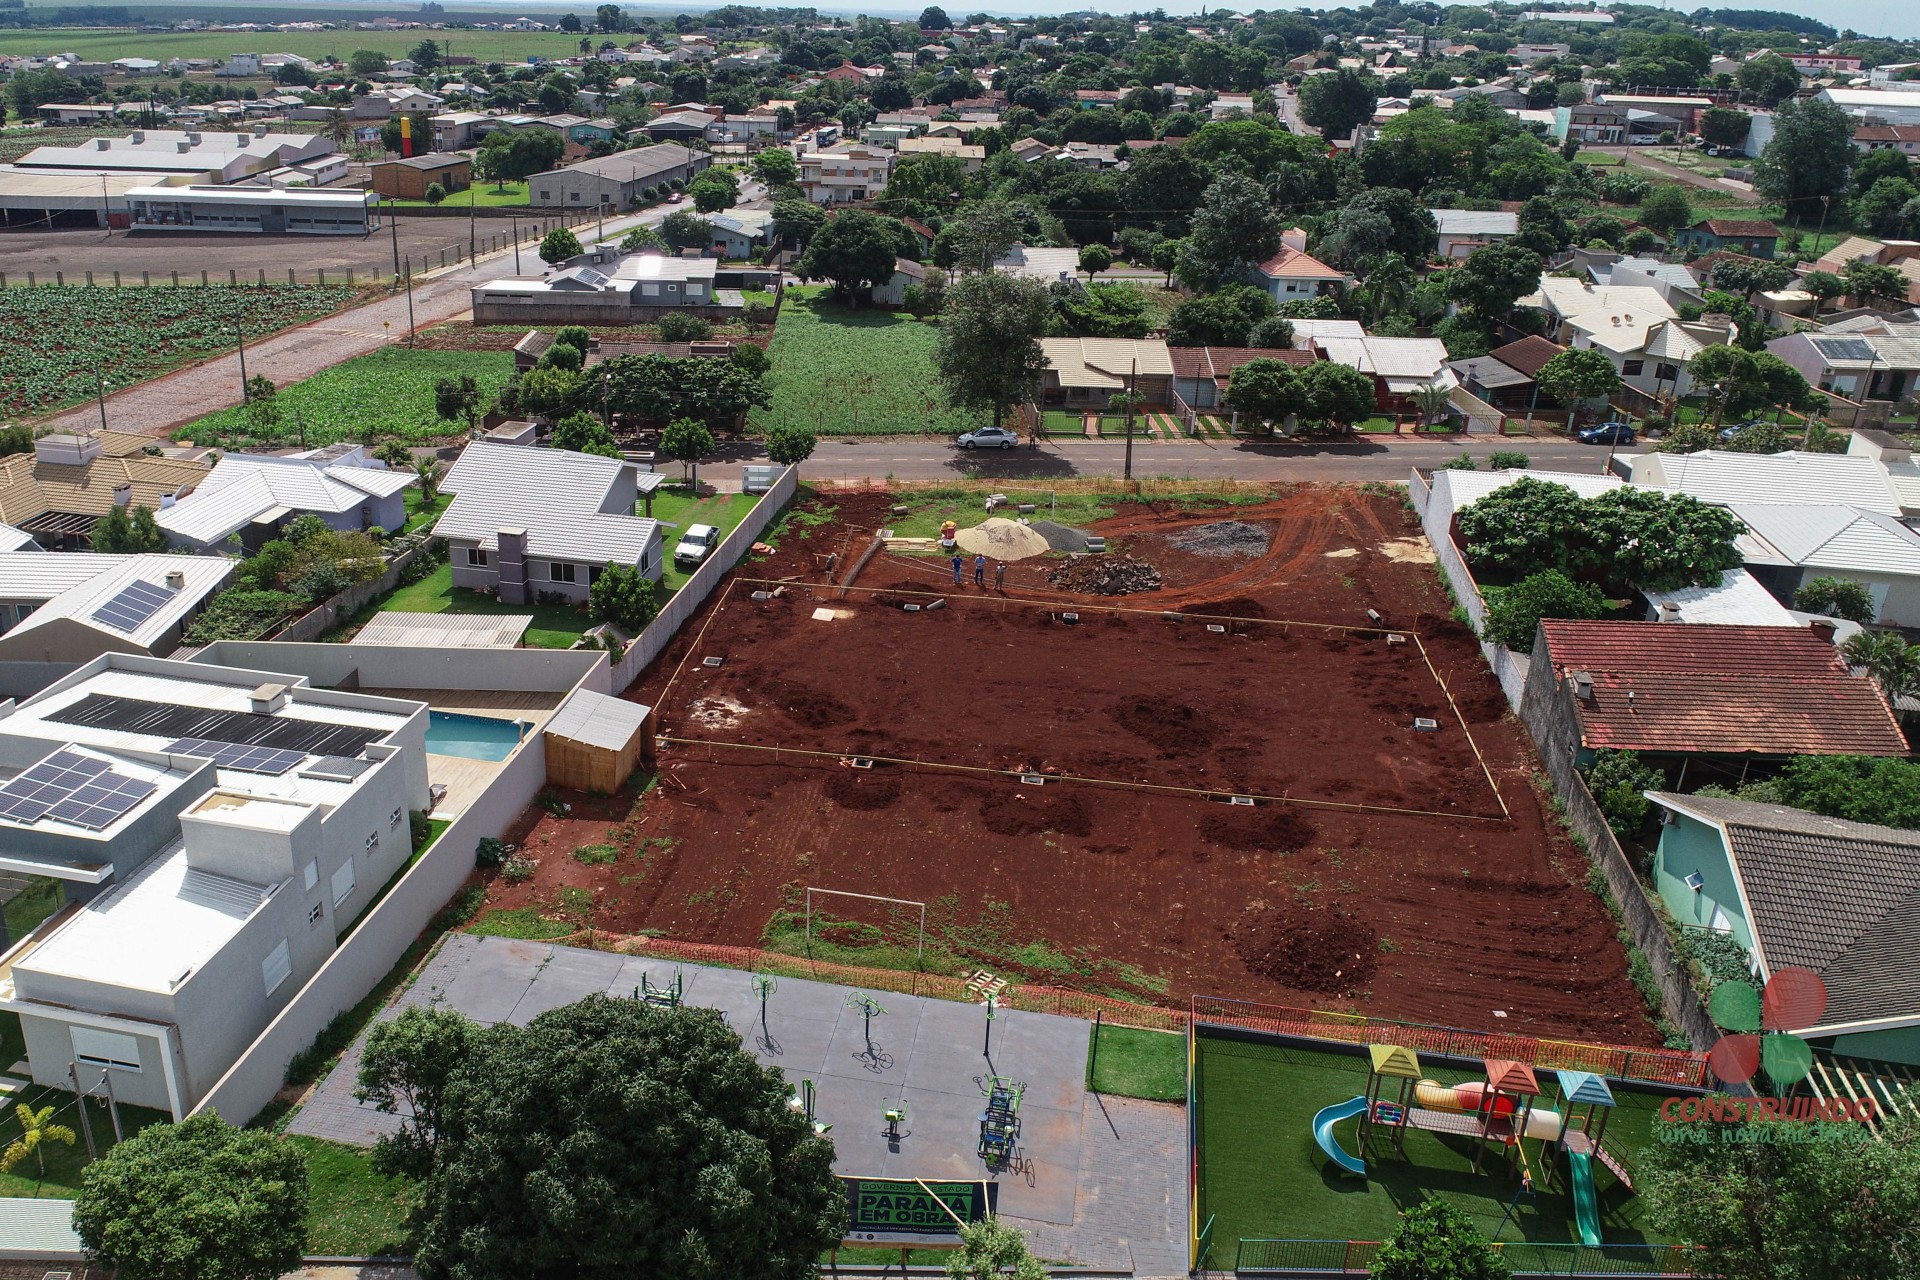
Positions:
{"x": 1106, "y": 576}
{"x": 1312, "y": 949}
{"x": 1238, "y": 608}
{"x": 803, "y": 704}
{"x": 863, "y": 788}
{"x": 1165, "y": 723}
{"x": 1061, "y": 537}
{"x": 1275, "y": 829}
{"x": 1026, "y": 813}
{"x": 1224, "y": 539}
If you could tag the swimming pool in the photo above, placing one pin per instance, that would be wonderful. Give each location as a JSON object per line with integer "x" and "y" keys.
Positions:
{"x": 471, "y": 737}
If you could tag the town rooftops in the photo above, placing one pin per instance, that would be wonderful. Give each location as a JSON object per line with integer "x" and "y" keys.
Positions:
{"x": 432, "y": 162}
{"x": 1218, "y": 363}
{"x": 1476, "y": 222}
{"x": 1827, "y": 537}
{"x": 1738, "y": 229}
{"x": 165, "y": 590}
{"x": 1737, "y": 599}
{"x": 636, "y": 165}
{"x": 1722, "y": 690}
{"x": 1105, "y": 363}
{"x": 554, "y": 494}
{"x": 1528, "y": 355}
{"x": 1793, "y": 478}
{"x": 1294, "y": 264}
{"x": 242, "y": 487}
{"x": 1839, "y": 898}
{"x": 68, "y": 482}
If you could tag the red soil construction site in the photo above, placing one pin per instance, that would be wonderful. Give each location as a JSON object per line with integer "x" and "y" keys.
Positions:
{"x": 1401, "y": 883}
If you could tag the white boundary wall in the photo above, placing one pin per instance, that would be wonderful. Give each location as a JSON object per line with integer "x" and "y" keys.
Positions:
{"x": 1509, "y": 668}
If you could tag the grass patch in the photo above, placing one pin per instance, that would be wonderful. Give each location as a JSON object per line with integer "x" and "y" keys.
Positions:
{"x": 1061, "y": 422}
{"x": 1599, "y": 159}
{"x": 385, "y": 394}
{"x": 524, "y": 923}
{"x": 682, "y": 510}
{"x": 64, "y": 1163}
{"x": 354, "y": 1212}
{"x": 27, "y": 909}
{"x": 555, "y": 626}
{"x": 1262, "y": 1176}
{"x": 845, "y": 372}
{"x": 929, "y": 509}
{"x": 485, "y": 195}
{"x": 421, "y": 512}
{"x": 1139, "y": 1064}
{"x": 1376, "y": 427}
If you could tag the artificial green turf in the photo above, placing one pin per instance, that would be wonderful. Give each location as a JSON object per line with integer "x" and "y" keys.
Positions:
{"x": 555, "y": 626}
{"x": 486, "y": 195}
{"x": 1262, "y": 1176}
{"x": 1139, "y": 1064}
{"x": 353, "y": 1211}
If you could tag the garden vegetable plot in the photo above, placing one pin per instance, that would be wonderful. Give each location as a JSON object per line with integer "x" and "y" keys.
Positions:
{"x": 386, "y": 394}
{"x": 1429, "y": 918}
{"x": 53, "y": 338}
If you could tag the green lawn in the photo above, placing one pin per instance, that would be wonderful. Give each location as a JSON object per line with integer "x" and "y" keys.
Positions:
{"x": 525, "y": 923}
{"x": 1139, "y": 1064}
{"x": 353, "y": 1211}
{"x": 64, "y": 1162}
{"x": 842, "y": 372}
{"x": 1262, "y": 1176}
{"x": 1061, "y": 422}
{"x": 485, "y": 195}
{"x": 1598, "y": 159}
{"x": 681, "y": 510}
{"x": 554, "y": 626}
{"x": 421, "y": 512}
{"x": 25, "y": 910}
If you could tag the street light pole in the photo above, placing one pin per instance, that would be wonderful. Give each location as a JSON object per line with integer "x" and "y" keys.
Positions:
{"x": 240, "y": 339}
{"x": 516, "y": 243}
{"x": 473, "y": 204}
{"x": 100, "y": 389}
{"x": 409, "y": 302}
{"x": 393, "y": 220}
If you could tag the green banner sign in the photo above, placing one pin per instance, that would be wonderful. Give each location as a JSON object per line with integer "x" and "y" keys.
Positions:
{"x": 914, "y": 1210}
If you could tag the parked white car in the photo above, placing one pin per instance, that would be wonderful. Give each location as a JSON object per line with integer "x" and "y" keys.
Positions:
{"x": 696, "y": 544}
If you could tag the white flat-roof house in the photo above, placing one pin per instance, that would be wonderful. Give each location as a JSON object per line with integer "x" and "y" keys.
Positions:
{"x": 252, "y": 495}
{"x": 527, "y": 522}
{"x": 215, "y": 830}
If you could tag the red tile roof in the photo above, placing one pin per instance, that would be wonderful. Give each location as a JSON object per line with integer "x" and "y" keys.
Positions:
{"x": 1676, "y": 687}
{"x": 1291, "y": 263}
{"x": 1528, "y": 354}
{"x": 1887, "y": 133}
{"x": 1725, "y": 227}
{"x": 1219, "y": 363}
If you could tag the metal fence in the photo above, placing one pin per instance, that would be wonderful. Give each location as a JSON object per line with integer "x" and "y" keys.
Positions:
{"x": 1525, "y": 1258}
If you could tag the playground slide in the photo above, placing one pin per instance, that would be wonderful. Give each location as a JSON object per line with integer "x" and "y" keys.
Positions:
{"x": 1323, "y": 1123}
{"x": 1586, "y": 1202}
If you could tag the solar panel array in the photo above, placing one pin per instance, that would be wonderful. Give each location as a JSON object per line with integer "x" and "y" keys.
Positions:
{"x": 133, "y": 605}
{"x": 174, "y": 721}
{"x": 72, "y": 788}
{"x": 587, "y": 275}
{"x": 238, "y": 755}
{"x": 1844, "y": 348}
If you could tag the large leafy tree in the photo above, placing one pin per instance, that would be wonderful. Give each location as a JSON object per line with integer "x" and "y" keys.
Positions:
{"x": 1267, "y": 391}
{"x": 687, "y": 440}
{"x": 1809, "y": 156}
{"x": 1335, "y": 393}
{"x": 856, "y": 251}
{"x": 1836, "y": 598}
{"x": 1492, "y": 279}
{"x": 1772, "y": 1204}
{"x": 1767, "y": 80}
{"x": 625, "y": 597}
{"x": 1222, "y": 319}
{"x": 611, "y": 1137}
{"x": 989, "y": 353}
{"x": 198, "y": 1200}
{"x": 1525, "y": 528}
{"x": 405, "y": 1068}
{"x": 1335, "y": 104}
{"x": 1725, "y": 127}
{"x": 1409, "y": 230}
{"x": 1234, "y": 230}
{"x": 797, "y": 220}
{"x": 1875, "y": 789}
{"x": 1661, "y": 541}
{"x": 1514, "y": 613}
{"x": 1666, "y": 209}
{"x": 1578, "y": 375}
{"x": 558, "y": 245}
{"x": 1435, "y": 1241}
{"x": 656, "y": 388}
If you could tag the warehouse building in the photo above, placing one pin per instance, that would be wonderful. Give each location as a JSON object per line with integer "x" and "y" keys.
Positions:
{"x": 616, "y": 181}
{"x": 408, "y": 178}
{"x": 227, "y": 155}
{"x": 51, "y": 200}
{"x": 263, "y": 210}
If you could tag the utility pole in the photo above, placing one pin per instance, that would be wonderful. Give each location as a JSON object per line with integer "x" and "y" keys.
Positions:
{"x": 100, "y": 389}
{"x": 240, "y": 338}
{"x": 409, "y": 302}
{"x": 516, "y": 243}
{"x": 393, "y": 220}
{"x": 473, "y": 201}
{"x": 1127, "y": 474}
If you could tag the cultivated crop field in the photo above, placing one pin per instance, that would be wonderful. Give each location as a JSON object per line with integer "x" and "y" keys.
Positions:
{"x": 841, "y": 372}
{"x": 54, "y": 338}
{"x": 386, "y": 394}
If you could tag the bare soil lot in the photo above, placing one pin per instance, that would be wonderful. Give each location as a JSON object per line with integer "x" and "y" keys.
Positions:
{"x": 1466, "y": 917}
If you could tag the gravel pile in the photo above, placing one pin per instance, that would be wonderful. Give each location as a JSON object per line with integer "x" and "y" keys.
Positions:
{"x": 1061, "y": 537}
{"x": 1223, "y": 539}
{"x": 1106, "y": 576}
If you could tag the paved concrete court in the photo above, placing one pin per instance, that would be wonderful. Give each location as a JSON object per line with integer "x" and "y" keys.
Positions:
{"x": 1099, "y": 1181}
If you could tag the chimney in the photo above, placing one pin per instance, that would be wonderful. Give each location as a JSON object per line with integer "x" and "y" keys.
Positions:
{"x": 183, "y": 147}
{"x": 137, "y": 137}
{"x": 513, "y": 566}
{"x": 122, "y": 495}
{"x": 1824, "y": 628}
{"x": 176, "y": 580}
{"x": 259, "y": 131}
{"x": 1294, "y": 238}
{"x": 1669, "y": 612}
{"x": 193, "y": 137}
{"x": 1582, "y": 685}
{"x": 267, "y": 699}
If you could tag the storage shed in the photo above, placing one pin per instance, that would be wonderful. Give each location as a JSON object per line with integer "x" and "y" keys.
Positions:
{"x": 595, "y": 742}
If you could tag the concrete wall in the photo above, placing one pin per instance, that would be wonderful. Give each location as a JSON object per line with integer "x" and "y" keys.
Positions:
{"x": 1509, "y": 668}
{"x": 398, "y": 667}
{"x": 650, "y": 643}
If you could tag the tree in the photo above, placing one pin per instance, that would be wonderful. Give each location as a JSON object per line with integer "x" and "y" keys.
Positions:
{"x": 1335, "y": 393}
{"x": 625, "y": 597}
{"x": 1234, "y": 229}
{"x": 1836, "y": 598}
{"x": 1824, "y": 286}
{"x": 1889, "y": 659}
{"x": 1689, "y": 437}
{"x": 1433, "y": 401}
{"x": 1514, "y": 613}
{"x": 1867, "y": 280}
{"x": 1095, "y": 258}
{"x": 37, "y": 1128}
{"x": 643, "y": 240}
{"x": 1748, "y": 276}
{"x": 517, "y": 156}
{"x": 436, "y": 194}
{"x": 1435, "y": 1241}
{"x": 934, "y": 18}
{"x": 685, "y": 229}
{"x": 425, "y": 55}
{"x": 427, "y": 475}
{"x": 585, "y": 433}
{"x": 1666, "y": 209}
{"x": 1273, "y": 333}
{"x": 1808, "y": 157}
{"x": 1577, "y": 375}
{"x": 714, "y": 190}
{"x": 980, "y": 235}
{"x": 1876, "y": 789}
{"x": 1725, "y": 128}
{"x": 1767, "y": 79}
{"x": 990, "y": 1249}
{"x": 687, "y": 440}
{"x": 988, "y": 353}
{"x": 856, "y": 251}
{"x": 1410, "y": 229}
{"x": 776, "y": 168}
{"x": 1222, "y": 319}
{"x": 789, "y": 446}
{"x": 197, "y": 1200}
{"x": 1884, "y": 208}
{"x": 1659, "y": 541}
{"x": 682, "y": 326}
{"x": 1336, "y": 104}
{"x": 458, "y": 397}
{"x": 1618, "y": 781}
{"x": 1493, "y": 278}
{"x": 1771, "y": 1203}
{"x": 1266, "y": 391}
{"x": 1524, "y": 528}
{"x": 797, "y": 220}
{"x": 570, "y": 1146}
{"x": 559, "y": 245}
{"x": 1728, "y": 374}
{"x": 609, "y": 18}
{"x": 366, "y": 62}
{"x": 407, "y": 1062}
{"x": 128, "y": 531}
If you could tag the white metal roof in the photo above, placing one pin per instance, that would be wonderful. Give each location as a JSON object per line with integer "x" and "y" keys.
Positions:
{"x": 38, "y": 1228}
{"x": 211, "y": 195}
{"x": 153, "y": 931}
{"x": 203, "y": 576}
{"x": 12, "y": 539}
{"x": 1569, "y": 297}
{"x": 554, "y": 494}
{"x": 1405, "y": 363}
{"x": 1461, "y": 489}
{"x": 1476, "y": 222}
{"x": 42, "y": 575}
{"x": 242, "y": 486}
{"x": 1793, "y": 478}
{"x": 657, "y": 266}
{"x": 1829, "y": 537}
{"x": 1737, "y": 599}
{"x": 598, "y": 720}
{"x": 444, "y": 630}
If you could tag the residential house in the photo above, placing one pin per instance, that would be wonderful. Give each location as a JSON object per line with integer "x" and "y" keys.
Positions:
{"x": 1650, "y": 353}
{"x": 1814, "y": 65}
{"x": 1462, "y": 231}
{"x": 739, "y": 233}
{"x": 1753, "y": 237}
{"x": 1398, "y": 367}
{"x": 1860, "y": 365}
{"x": 606, "y": 287}
{"x": 892, "y": 292}
{"x": 250, "y": 497}
{"x": 1598, "y": 123}
{"x": 1787, "y": 545}
{"x": 1201, "y": 374}
{"x": 461, "y": 130}
{"x": 1734, "y": 479}
{"x": 1709, "y": 701}
{"x": 1093, "y": 98}
{"x": 214, "y": 831}
{"x": 61, "y": 489}
{"x": 530, "y": 522}
{"x": 1680, "y": 285}
{"x": 1737, "y": 599}
{"x": 1573, "y": 304}
{"x": 1227, "y": 105}
{"x": 1041, "y": 263}
{"x": 1293, "y": 273}
{"x": 971, "y": 157}
{"x": 616, "y": 181}
{"x": 60, "y": 607}
{"x": 845, "y": 174}
{"x": 1083, "y": 373}
{"x": 409, "y": 177}
{"x": 1089, "y": 156}
{"x": 1030, "y": 149}
{"x": 1505, "y": 377}
{"x": 1904, "y": 138}
{"x": 1902, "y": 255}
{"x": 1875, "y": 106}
{"x": 850, "y": 74}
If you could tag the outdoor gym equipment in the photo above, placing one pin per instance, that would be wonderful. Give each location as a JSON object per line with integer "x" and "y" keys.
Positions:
{"x": 667, "y": 997}
{"x": 869, "y": 1009}
{"x": 764, "y": 985}
{"x": 1000, "y": 1122}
